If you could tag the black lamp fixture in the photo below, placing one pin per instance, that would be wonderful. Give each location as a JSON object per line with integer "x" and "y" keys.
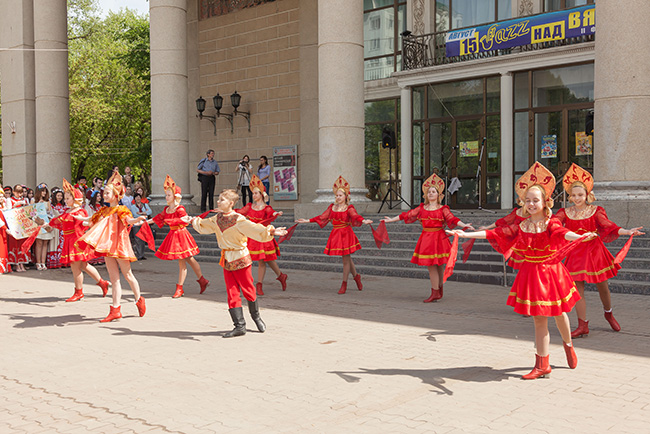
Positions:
{"x": 235, "y": 100}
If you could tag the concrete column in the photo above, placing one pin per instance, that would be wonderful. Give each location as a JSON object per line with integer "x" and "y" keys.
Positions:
{"x": 195, "y": 149}
{"x": 340, "y": 93}
{"x": 17, "y": 92}
{"x": 52, "y": 95}
{"x": 406, "y": 146}
{"x": 507, "y": 147}
{"x": 169, "y": 97}
{"x": 622, "y": 101}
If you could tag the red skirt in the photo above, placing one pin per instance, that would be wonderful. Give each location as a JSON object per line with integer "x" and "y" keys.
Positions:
{"x": 432, "y": 248}
{"x": 342, "y": 241}
{"x": 268, "y": 251}
{"x": 543, "y": 290}
{"x": 15, "y": 256}
{"x": 70, "y": 253}
{"x": 178, "y": 244}
{"x": 591, "y": 262}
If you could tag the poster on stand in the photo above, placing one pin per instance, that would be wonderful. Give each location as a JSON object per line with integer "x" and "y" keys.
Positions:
{"x": 285, "y": 172}
{"x": 583, "y": 144}
{"x": 549, "y": 146}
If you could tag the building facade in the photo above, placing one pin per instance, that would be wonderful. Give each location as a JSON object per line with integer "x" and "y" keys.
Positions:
{"x": 474, "y": 90}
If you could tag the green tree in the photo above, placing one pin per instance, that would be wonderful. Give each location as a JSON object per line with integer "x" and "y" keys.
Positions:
{"x": 110, "y": 118}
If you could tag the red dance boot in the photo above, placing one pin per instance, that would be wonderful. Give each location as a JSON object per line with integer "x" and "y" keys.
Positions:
{"x": 436, "y": 294}
{"x": 283, "y": 280}
{"x": 357, "y": 279}
{"x": 344, "y": 287}
{"x": 113, "y": 314}
{"x": 142, "y": 309}
{"x": 582, "y": 330}
{"x": 541, "y": 369}
{"x": 179, "y": 292}
{"x": 78, "y": 295}
{"x": 258, "y": 288}
{"x": 609, "y": 316}
{"x": 571, "y": 357}
{"x": 103, "y": 284}
{"x": 204, "y": 284}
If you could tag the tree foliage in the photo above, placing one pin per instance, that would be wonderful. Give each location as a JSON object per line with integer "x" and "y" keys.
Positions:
{"x": 110, "y": 117}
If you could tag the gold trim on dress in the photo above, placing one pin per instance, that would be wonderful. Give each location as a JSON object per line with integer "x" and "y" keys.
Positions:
{"x": 573, "y": 213}
{"x": 545, "y": 302}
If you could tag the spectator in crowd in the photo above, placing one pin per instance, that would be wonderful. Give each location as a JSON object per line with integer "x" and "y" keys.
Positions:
{"x": 7, "y": 191}
{"x": 82, "y": 185}
{"x": 97, "y": 188}
{"x": 264, "y": 173}
{"x": 44, "y": 237}
{"x": 127, "y": 200}
{"x": 128, "y": 176}
{"x": 244, "y": 170}
{"x": 29, "y": 196}
{"x": 140, "y": 190}
{"x": 208, "y": 169}
{"x": 138, "y": 208}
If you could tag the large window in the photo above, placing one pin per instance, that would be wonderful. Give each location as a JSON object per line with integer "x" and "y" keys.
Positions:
{"x": 552, "y": 111}
{"x": 383, "y": 23}
{"x": 382, "y": 164}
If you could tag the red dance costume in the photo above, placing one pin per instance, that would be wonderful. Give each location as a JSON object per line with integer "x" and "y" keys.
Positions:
{"x": 72, "y": 229}
{"x": 109, "y": 234}
{"x": 433, "y": 246}
{"x": 342, "y": 240}
{"x": 261, "y": 251}
{"x": 590, "y": 261}
{"x": 15, "y": 256}
{"x": 179, "y": 243}
{"x": 4, "y": 252}
{"x": 516, "y": 259}
{"x": 540, "y": 289}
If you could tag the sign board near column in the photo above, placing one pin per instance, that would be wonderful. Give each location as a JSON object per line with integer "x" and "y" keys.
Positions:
{"x": 285, "y": 173}
{"x": 553, "y": 26}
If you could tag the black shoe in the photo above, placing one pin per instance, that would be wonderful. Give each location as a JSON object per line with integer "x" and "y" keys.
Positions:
{"x": 237, "y": 315}
{"x": 255, "y": 314}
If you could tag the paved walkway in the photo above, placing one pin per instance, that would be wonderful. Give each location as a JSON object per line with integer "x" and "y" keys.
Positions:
{"x": 373, "y": 361}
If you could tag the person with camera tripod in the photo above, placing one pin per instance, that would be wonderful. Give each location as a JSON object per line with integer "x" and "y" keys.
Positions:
{"x": 244, "y": 169}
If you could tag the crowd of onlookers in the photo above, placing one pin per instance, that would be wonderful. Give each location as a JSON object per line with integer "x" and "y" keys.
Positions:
{"x": 46, "y": 251}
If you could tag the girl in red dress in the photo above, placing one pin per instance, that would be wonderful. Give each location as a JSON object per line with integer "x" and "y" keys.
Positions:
{"x": 591, "y": 261}
{"x": 433, "y": 246}
{"x": 72, "y": 229}
{"x": 543, "y": 286}
{"x": 265, "y": 253}
{"x": 108, "y": 236}
{"x": 16, "y": 257}
{"x": 4, "y": 252}
{"x": 342, "y": 241}
{"x": 179, "y": 243}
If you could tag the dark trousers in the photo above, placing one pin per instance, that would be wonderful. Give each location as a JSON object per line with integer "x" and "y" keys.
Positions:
{"x": 137, "y": 243}
{"x": 207, "y": 191}
{"x": 246, "y": 190}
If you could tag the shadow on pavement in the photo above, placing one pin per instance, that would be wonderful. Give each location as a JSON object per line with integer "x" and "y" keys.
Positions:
{"x": 179, "y": 334}
{"x": 49, "y": 321}
{"x": 436, "y": 377}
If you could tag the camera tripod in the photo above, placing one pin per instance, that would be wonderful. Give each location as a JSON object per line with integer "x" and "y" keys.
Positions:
{"x": 390, "y": 187}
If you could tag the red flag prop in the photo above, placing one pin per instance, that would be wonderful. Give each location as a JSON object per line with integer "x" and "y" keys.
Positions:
{"x": 451, "y": 262}
{"x": 27, "y": 244}
{"x": 623, "y": 252}
{"x": 288, "y": 235}
{"x": 380, "y": 235}
{"x": 205, "y": 214}
{"x": 146, "y": 235}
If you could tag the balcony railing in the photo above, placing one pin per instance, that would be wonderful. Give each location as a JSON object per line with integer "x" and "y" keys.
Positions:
{"x": 429, "y": 50}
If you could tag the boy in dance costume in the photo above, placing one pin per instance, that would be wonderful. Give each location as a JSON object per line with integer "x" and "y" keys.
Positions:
{"x": 232, "y": 231}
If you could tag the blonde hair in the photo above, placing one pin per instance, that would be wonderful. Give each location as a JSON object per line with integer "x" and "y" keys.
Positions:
{"x": 590, "y": 196}
{"x": 230, "y": 195}
{"x": 548, "y": 202}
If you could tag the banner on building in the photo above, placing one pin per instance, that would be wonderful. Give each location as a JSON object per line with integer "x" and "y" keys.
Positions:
{"x": 20, "y": 221}
{"x": 583, "y": 144}
{"x": 468, "y": 149}
{"x": 285, "y": 173}
{"x": 553, "y": 26}
{"x": 549, "y": 146}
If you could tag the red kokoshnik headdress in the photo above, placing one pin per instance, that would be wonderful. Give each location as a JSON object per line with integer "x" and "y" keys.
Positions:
{"x": 433, "y": 181}
{"x": 171, "y": 185}
{"x": 341, "y": 184}
{"x": 75, "y": 192}
{"x": 256, "y": 183}
{"x": 536, "y": 175}
{"x": 577, "y": 174}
